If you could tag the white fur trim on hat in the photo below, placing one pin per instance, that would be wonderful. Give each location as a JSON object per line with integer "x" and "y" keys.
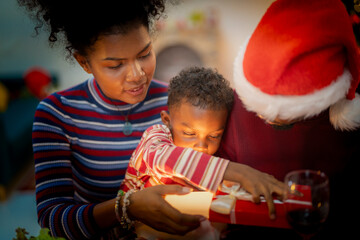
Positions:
{"x": 345, "y": 114}
{"x": 285, "y": 107}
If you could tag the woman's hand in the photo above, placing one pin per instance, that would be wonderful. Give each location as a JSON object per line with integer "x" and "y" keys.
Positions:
{"x": 149, "y": 207}
{"x": 257, "y": 183}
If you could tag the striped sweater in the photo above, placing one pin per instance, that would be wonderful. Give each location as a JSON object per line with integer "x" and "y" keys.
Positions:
{"x": 81, "y": 154}
{"x": 157, "y": 160}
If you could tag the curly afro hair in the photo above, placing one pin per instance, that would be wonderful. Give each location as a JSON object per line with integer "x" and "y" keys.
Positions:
{"x": 79, "y": 23}
{"x": 201, "y": 87}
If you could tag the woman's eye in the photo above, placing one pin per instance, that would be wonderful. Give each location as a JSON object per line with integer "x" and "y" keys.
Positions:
{"x": 146, "y": 55}
{"x": 115, "y": 67}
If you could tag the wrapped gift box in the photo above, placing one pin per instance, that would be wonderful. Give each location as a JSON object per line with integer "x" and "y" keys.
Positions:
{"x": 246, "y": 212}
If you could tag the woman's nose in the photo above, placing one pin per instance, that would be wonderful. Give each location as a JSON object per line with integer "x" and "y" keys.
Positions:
{"x": 134, "y": 72}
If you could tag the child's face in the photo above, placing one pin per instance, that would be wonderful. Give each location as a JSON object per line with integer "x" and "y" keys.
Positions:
{"x": 196, "y": 128}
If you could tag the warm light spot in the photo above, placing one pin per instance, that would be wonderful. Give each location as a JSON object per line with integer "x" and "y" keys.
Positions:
{"x": 192, "y": 203}
{"x": 293, "y": 187}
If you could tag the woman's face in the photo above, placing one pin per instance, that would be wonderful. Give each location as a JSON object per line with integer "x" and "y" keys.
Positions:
{"x": 122, "y": 64}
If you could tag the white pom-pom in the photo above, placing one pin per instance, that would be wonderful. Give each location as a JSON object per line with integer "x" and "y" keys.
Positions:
{"x": 345, "y": 114}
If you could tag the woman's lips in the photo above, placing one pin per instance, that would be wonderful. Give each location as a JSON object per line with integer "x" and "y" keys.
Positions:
{"x": 137, "y": 90}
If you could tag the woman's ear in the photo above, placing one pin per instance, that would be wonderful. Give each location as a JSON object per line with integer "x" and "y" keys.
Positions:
{"x": 165, "y": 118}
{"x": 83, "y": 62}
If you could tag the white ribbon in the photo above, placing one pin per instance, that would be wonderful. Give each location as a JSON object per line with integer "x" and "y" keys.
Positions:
{"x": 225, "y": 203}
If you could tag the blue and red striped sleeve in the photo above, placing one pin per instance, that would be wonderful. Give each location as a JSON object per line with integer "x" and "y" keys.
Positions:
{"x": 81, "y": 153}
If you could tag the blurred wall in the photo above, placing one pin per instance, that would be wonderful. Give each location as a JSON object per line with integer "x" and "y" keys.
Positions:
{"x": 237, "y": 20}
{"x": 19, "y": 50}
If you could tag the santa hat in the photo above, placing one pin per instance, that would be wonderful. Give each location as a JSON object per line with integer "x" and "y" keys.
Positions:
{"x": 301, "y": 59}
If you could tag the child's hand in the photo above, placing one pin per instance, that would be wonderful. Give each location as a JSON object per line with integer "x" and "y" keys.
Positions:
{"x": 257, "y": 183}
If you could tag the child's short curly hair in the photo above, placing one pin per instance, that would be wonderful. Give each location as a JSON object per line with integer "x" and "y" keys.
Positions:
{"x": 201, "y": 87}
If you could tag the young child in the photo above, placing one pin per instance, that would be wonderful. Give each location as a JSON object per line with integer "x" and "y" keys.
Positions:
{"x": 180, "y": 151}
{"x": 199, "y": 102}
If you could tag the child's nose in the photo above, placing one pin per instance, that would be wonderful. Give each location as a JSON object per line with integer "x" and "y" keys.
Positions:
{"x": 201, "y": 146}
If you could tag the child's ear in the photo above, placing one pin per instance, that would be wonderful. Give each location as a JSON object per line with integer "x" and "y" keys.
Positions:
{"x": 83, "y": 62}
{"x": 165, "y": 118}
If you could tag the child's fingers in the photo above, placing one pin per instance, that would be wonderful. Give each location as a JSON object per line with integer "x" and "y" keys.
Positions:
{"x": 268, "y": 197}
{"x": 279, "y": 191}
{"x": 255, "y": 195}
{"x": 270, "y": 204}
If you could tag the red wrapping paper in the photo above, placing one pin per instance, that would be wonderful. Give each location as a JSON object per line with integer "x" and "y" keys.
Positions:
{"x": 251, "y": 214}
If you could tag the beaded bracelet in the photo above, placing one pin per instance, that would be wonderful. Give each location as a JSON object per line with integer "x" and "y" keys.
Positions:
{"x": 117, "y": 203}
{"x": 125, "y": 220}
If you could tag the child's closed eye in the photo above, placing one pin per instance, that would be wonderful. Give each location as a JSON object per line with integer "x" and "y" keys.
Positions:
{"x": 215, "y": 136}
{"x": 186, "y": 133}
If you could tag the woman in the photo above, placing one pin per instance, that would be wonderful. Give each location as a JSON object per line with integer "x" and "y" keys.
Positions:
{"x": 84, "y": 136}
